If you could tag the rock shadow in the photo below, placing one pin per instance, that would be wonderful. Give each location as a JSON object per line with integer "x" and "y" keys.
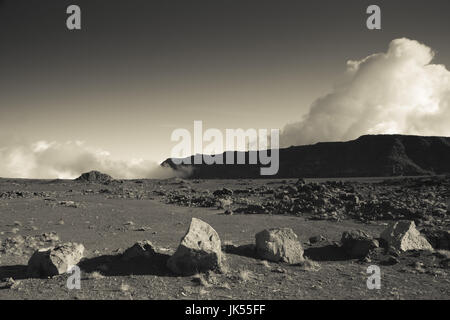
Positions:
{"x": 326, "y": 253}
{"x": 246, "y": 250}
{"x": 115, "y": 265}
{"x": 17, "y": 272}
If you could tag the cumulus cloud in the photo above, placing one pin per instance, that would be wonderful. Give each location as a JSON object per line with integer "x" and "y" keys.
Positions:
{"x": 49, "y": 160}
{"x": 399, "y": 91}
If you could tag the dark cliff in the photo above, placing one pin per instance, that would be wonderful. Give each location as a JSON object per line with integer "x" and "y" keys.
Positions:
{"x": 367, "y": 156}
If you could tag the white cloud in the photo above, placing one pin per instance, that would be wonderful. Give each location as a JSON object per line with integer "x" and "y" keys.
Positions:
{"x": 399, "y": 91}
{"x": 49, "y": 160}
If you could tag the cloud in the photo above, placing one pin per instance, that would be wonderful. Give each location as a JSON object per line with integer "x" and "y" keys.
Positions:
{"x": 399, "y": 91}
{"x": 49, "y": 160}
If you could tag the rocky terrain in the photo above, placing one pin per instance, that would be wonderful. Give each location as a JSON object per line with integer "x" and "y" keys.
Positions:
{"x": 225, "y": 239}
{"x": 367, "y": 156}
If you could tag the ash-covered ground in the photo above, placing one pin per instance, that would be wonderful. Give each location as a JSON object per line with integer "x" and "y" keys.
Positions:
{"x": 338, "y": 224}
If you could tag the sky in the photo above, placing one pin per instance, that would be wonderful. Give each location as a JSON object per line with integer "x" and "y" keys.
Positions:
{"x": 110, "y": 95}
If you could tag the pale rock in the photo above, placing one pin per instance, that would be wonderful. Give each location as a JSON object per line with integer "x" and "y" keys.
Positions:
{"x": 279, "y": 244}
{"x": 199, "y": 250}
{"x": 403, "y": 236}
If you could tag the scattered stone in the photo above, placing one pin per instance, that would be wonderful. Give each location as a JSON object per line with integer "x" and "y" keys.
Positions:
{"x": 394, "y": 252}
{"x": 404, "y": 236}
{"x": 279, "y": 244}
{"x": 141, "y": 249}
{"x": 143, "y": 228}
{"x": 19, "y": 245}
{"x": 53, "y": 261}
{"x": 96, "y": 275}
{"x": 317, "y": 239}
{"x": 69, "y": 204}
{"x": 357, "y": 243}
{"x": 419, "y": 267}
{"x": 223, "y": 192}
{"x": 278, "y": 270}
{"x": 228, "y": 212}
{"x": 199, "y": 250}
{"x": 391, "y": 260}
{"x": 10, "y": 283}
{"x": 201, "y": 280}
{"x": 224, "y": 203}
{"x": 310, "y": 265}
{"x": 439, "y": 239}
{"x": 245, "y": 275}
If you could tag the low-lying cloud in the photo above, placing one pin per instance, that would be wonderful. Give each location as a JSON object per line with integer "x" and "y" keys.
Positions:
{"x": 49, "y": 160}
{"x": 399, "y": 91}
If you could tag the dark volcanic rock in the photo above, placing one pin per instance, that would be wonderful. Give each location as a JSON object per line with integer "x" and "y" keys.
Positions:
{"x": 367, "y": 156}
{"x": 199, "y": 251}
{"x": 357, "y": 243}
{"x": 223, "y": 192}
{"x": 141, "y": 249}
{"x": 316, "y": 239}
{"x": 439, "y": 239}
{"x": 94, "y": 176}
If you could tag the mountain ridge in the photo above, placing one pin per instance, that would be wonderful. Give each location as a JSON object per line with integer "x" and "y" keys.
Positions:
{"x": 367, "y": 156}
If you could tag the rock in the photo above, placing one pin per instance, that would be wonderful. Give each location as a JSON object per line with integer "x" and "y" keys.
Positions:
{"x": 228, "y": 212}
{"x": 224, "y": 203}
{"x": 357, "y": 243}
{"x": 199, "y": 250}
{"x": 390, "y": 261}
{"x": 310, "y": 265}
{"x": 419, "y": 267}
{"x": 445, "y": 263}
{"x": 393, "y": 251}
{"x": 94, "y": 176}
{"x": 223, "y": 192}
{"x": 316, "y": 239}
{"x": 404, "y": 236}
{"x": 141, "y": 249}
{"x": 10, "y": 283}
{"x": 69, "y": 204}
{"x": 439, "y": 239}
{"x": 279, "y": 244}
{"x": 53, "y": 261}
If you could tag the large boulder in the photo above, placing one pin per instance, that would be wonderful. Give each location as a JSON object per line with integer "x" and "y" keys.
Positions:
{"x": 141, "y": 249}
{"x": 49, "y": 262}
{"x": 357, "y": 243}
{"x": 403, "y": 235}
{"x": 279, "y": 244}
{"x": 94, "y": 176}
{"x": 199, "y": 250}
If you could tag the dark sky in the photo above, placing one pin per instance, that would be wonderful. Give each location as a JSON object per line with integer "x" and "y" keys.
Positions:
{"x": 139, "y": 69}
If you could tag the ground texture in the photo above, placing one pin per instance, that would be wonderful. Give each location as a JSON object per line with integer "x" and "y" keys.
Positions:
{"x": 111, "y": 216}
